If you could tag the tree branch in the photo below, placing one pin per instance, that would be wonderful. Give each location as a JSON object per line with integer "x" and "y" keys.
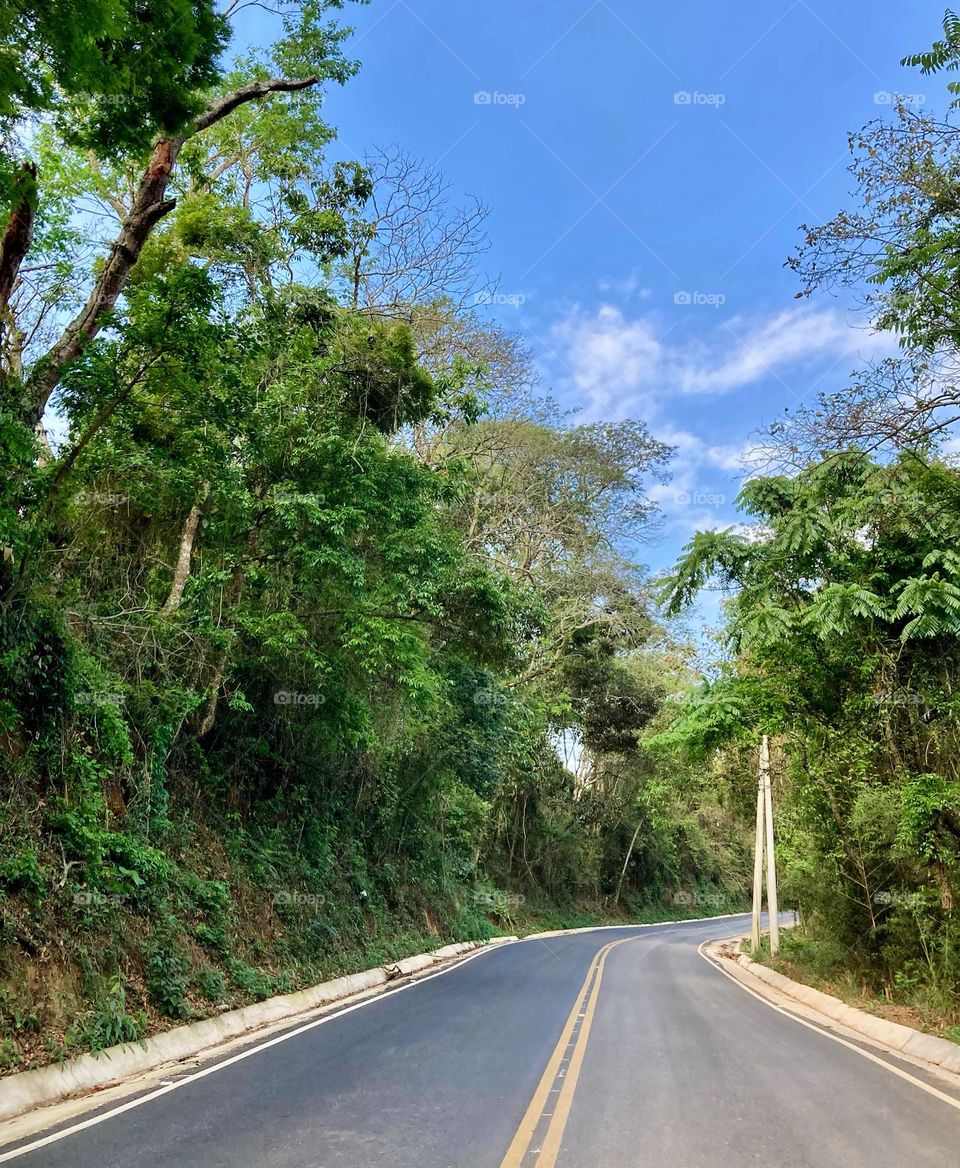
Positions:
{"x": 218, "y": 110}
{"x": 150, "y": 204}
{"x": 185, "y": 551}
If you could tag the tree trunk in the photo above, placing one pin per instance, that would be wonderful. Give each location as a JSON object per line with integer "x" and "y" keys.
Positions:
{"x": 149, "y": 206}
{"x": 182, "y": 571}
{"x": 18, "y": 234}
{"x": 210, "y": 714}
{"x": 233, "y": 593}
{"x": 626, "y": 862}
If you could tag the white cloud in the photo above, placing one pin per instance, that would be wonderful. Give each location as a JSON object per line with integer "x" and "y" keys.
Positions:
{"x": 628, "y": 288}
{"x": 617, "y": 364}
{"x": 950, "y": 450}
{"x": 706, "y": 478}
{"x": 747, "y": 354}
{"x": 608, "y": 357}
{"x": 739, "y": 461}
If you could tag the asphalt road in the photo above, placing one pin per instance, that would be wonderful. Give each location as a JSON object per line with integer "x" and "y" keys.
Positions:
{"x": 598, "y": 1050}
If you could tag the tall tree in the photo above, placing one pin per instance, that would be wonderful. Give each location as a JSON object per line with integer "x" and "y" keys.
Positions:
{"x": 896, "y": 250}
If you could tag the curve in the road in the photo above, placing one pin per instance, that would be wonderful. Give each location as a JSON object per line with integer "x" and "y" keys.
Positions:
{"x": 574, "y": 1051}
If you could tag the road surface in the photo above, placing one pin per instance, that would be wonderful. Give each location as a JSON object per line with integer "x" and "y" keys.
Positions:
{"x": 597, "y": 1050}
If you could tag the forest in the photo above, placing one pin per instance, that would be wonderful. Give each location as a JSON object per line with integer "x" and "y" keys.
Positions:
{"x": 325, "y": 631}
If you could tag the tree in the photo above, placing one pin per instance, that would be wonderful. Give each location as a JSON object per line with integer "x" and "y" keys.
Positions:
{"x": 309, "y": 45}
{"x": 410, "y": 248}
{"x": 896, "y": 250}
{"x": 845, "y": 630}
{"x": 113, "y": 74}
{"x": 309, "y": 581}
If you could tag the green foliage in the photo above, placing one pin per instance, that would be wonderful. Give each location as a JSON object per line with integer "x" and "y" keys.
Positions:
{"x": 167, "y": 976}
{"x": 471, "y": 925}
{"x": 930, "y": 819}
{"x": 211, "y": 985}
{"x": 249, "y": 981}
{"x": 112, "y": 72}
{"x": 21, "y": 872}
{"x": 944, "y": 54}
{"x": 845, "y": 643}
{"x": 823, "y": 957}
{"x": 300, "y": 608}
{"x": 109, "y": 1022}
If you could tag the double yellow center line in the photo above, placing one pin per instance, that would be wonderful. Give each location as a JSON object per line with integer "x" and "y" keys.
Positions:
{"x": 537, "y": 1141}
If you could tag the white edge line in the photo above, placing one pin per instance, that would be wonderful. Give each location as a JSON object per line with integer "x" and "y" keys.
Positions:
{"x": 73, "y": 1129}
{"x": 5, "y": 1157}
{"x": 817, "y": 1029}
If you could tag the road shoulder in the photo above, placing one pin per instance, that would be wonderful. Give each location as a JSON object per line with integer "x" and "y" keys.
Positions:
{"x": 33, "y": 1101}
{"x": 937, "y": 1058}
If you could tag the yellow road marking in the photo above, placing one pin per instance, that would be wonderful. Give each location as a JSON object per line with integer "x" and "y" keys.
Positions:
{"x": 579, "y": 1019}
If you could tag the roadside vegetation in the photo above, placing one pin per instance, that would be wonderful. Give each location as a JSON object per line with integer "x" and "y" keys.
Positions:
{"x": 305, "y": 585}
{"x": 843, "y": 618}
{"x": 325, "y": 634}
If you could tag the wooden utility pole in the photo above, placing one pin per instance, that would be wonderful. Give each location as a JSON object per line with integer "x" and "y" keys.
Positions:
{"x": 772, "y": 910}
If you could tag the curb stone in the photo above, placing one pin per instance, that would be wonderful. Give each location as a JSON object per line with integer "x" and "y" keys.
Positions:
{"x": 27, "y": 1090}
{"x": 905, "y": 1039}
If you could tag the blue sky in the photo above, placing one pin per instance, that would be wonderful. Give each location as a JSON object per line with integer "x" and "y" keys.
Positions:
{"x": 612, "y": 196}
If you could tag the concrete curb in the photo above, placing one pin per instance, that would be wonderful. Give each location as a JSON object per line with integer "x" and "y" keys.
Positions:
{"x": 91, "y": 1072}
{"x": 927, "y": 1047}
{"x": 26, "y": 1090}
